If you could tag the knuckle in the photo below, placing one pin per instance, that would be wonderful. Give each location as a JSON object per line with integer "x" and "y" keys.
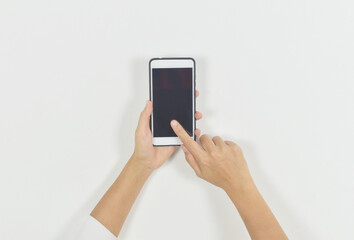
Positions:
{"x": 203, "y": 137}
{"x": 210, "y": 164}
{"x": 216, "y": 137}
{"x": 204, "y": 160}
{"x": 215, "y": 154}
{"x": 236, "y": 148}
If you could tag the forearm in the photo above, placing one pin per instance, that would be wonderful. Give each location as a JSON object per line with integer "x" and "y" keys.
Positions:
{"x": 255, "y": 213}
{"x": 114, "y": 207}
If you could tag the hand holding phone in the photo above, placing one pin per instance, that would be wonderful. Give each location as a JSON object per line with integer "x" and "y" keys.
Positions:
{"x": 146, "y": 153}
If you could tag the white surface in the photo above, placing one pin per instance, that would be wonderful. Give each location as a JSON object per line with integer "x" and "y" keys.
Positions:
{"x": 275, "y": 76}
{"x": 94, "y": 230}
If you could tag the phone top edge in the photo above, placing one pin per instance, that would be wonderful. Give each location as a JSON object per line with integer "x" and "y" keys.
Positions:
{"x": 171, "y": 58}
{"x": 172, "y": 63}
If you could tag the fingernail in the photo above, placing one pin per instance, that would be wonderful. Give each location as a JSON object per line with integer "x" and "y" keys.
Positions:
{"x": 146, "y": 104}
{"x": 173, "y": 123}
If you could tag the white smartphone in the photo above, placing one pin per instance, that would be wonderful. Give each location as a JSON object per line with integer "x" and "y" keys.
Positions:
{"x": 172, "y": 93}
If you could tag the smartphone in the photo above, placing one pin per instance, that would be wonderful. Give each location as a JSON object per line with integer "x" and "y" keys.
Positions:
{"x": 172, "y": 93}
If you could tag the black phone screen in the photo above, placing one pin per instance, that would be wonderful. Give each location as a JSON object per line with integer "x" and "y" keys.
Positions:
{"x": 172, "y": 99}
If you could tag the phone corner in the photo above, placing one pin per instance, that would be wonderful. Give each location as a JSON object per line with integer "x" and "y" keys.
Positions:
{"x": 192, "y": 59}
{"x": 152, "y": 59}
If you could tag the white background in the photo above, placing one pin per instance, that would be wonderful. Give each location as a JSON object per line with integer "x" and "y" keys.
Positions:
{"x": 275, "y": 76}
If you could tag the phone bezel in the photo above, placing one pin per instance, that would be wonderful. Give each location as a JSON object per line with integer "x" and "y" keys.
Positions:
{"x": 180, "y": 62}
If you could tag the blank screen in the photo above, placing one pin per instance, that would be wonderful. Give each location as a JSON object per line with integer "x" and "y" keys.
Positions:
{"x": 172, "y": 99}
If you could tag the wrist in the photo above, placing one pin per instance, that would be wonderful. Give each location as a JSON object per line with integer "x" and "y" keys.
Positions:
{"x": 139, "y": 165}
{"x": 240, "y": 187}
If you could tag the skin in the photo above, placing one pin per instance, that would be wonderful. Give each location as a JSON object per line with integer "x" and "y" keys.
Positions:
{"x": 222, "y": 163}
{"x": 219, "y": 162}
{"x": 113, "y": 208}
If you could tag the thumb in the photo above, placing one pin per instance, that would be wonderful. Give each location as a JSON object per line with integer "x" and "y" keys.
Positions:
{"x": 144, "y": 120}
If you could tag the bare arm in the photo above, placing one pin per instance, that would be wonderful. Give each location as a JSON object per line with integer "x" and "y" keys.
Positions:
{"x": 114, "y": 207}
{"x": 222, "y": 163}
{"x": 255, "y": 213}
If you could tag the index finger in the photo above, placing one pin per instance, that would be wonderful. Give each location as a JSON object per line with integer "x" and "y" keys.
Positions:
{"x": 188, "y": 142}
